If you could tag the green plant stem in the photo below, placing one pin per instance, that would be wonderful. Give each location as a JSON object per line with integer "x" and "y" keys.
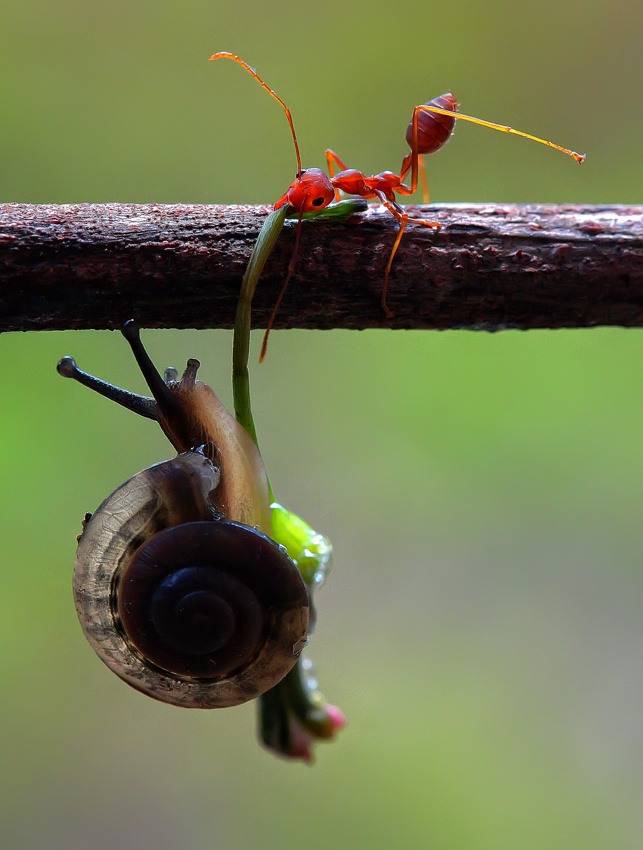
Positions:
{"x": 266, "y": 240}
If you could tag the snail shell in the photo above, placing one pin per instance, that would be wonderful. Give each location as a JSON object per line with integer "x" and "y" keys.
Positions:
{"x": 179, "y": 599}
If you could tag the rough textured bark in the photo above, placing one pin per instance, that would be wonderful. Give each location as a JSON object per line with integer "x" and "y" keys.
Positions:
{"x": 490, "y": 267}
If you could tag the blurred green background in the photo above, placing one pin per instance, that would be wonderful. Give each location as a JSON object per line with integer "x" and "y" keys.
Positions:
{"x": 481, "y": 628}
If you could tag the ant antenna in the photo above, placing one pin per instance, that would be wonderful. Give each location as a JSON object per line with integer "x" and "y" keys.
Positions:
{"x": 223, "y": 54}
{"x": 284, "y": 286}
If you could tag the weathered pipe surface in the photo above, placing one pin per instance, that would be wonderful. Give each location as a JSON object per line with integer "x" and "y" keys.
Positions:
{"x": 490, "y": 267}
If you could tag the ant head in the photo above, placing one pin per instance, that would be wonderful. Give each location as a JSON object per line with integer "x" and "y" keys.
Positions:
{"x": 311, "y": 190}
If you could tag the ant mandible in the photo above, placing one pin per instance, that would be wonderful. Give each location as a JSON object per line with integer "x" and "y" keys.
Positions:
{"x": 429, "y": 129}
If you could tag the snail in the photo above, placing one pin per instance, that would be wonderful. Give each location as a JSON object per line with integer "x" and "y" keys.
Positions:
{"x": 178, "y": 586}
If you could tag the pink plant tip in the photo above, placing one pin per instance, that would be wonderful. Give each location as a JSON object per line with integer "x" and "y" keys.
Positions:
{"x": 336, "y": 716}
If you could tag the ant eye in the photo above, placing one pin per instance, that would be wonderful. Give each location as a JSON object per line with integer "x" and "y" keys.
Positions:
{"x": 318, "y": 202}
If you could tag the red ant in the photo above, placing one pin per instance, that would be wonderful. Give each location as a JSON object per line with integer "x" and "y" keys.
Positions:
{"x": 430, "y": 127}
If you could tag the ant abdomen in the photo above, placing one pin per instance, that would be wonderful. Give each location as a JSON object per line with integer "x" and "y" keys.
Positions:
{"x": 433, "y": 129}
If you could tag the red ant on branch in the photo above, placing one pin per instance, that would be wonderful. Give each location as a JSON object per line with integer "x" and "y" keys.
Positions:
{"x": 430, "y": 127}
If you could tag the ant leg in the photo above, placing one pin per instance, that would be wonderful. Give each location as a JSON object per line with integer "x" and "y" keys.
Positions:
{"x": 284, "y": 286}
{"x": 579, "y": 157}
{"x": 390, "y": 313}
{"x": 401, "y": 215}
{"x": 398, "y": 212}
{"x": 334, "y": 162}
{"x": 425, "y": 185}
{"x": 406, "y": 165}
{"x": 404, "y": 170}
{"x": 414, "y": 156}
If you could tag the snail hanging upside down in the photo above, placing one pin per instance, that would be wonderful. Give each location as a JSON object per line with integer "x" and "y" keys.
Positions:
{"x": 178, "y": 585}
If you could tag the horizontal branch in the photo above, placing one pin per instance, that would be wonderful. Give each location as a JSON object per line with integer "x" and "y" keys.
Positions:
{"x": 490, "y": 267}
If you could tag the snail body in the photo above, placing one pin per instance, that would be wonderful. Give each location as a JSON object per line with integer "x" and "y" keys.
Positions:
{"x": 178, "y": 587}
